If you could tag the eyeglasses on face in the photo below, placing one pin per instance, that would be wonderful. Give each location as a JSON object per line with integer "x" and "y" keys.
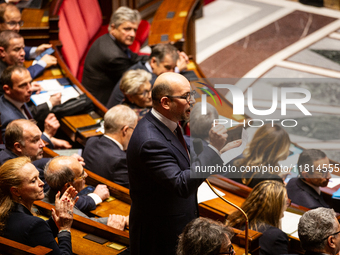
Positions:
{"x": 329, "y": 236}
{"x": 188, "y": 96}
{"x": 82, "y": 177}
{"x": 12, "y": 24}
{"x": 145, "y": 93}
{"x": 230, "y": 250}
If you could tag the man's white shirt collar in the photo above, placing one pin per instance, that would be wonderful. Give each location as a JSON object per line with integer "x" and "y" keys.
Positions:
{"x": 118, "y": 143}
{"x": 167, "y": 122}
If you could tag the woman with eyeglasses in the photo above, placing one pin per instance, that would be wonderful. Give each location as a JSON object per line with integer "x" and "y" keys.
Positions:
{"x": 20, "y": 186}
{"x": 204, "y": 236}
{"x": 136, "y": 87}
{"x": 265, "y": 206}
{"x": 260, "y": 160}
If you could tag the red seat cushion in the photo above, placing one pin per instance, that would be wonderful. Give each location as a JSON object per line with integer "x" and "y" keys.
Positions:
{"x": 92, "y": 16}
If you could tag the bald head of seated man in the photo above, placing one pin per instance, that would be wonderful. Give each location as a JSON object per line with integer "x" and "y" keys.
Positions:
{"x": 64, "y": 171}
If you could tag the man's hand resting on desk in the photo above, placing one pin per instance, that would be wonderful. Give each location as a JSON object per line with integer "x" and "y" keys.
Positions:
{"x": 60, "y": 144}
{"x": 49, "y": 60}
{"x": 102, "y": 191}
{"x": 118, "y": 221}
{"x": 42, "y": 47}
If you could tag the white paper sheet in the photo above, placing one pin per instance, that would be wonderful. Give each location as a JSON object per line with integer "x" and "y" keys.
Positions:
{"x": 204, "y": 193}
{"x": 290, "y": 222}
{"x": 50, "y": 85}
{"x": 67, "y": 92}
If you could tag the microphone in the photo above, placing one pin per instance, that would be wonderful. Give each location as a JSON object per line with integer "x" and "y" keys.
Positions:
{"x": 198, "y": 148}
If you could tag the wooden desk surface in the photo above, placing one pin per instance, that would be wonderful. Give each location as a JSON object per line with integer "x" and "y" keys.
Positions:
{"x": 171, "y": 15}
{"x": 80, "y": 245}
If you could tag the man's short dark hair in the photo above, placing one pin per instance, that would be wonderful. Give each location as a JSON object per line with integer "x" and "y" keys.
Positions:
{"x": 308, "y": 157}
{"x": 14, "y": 133}
{"x": 160, "y": 91}
{"x": 203, "y": 236}
{"x": 6, "y": 77}
{"x": 159, "y": 51}
{"x": 315, "y": 226}
{"x": 6, "y": 36}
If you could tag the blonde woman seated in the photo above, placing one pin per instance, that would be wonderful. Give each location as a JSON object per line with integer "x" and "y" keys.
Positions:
{"x": 265, "y": 206}
{"x": 269, "y": 145}
{"x": 20, "y": 186}
{"x": 136, "y": 88}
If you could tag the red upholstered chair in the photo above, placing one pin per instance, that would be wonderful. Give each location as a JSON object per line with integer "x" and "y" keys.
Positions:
{"x": 77, "y": 27}
{"x": 69, "y": 49}
{"x": 92, "y": 15}
{"x": 141, "y": 35}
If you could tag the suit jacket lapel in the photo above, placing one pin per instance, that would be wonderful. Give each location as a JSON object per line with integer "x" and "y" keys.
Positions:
{"x": 170, "y": 136}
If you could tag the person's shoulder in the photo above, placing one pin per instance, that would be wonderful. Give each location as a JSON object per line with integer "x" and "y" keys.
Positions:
{"x": 272, "y": 232}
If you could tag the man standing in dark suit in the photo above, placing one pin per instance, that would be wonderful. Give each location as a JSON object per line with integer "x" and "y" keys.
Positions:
{"x": 164, "y": 196}
{"x": 163, "y": 58}
{"x": 319, "y": 232}
{"x": 313, "y": 167}
{"x": 109, "y": 56}
{"x": 105, "y": 155}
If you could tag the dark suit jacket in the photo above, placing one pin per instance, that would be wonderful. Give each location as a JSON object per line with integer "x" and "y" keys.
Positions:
{"x": 117, "y": 95}
{"x": 25, "y": 228}
{"x": 302, "y": 194}
{"x": 104, "y": 65}
{"x": 273, "y": 241}
{"x": 9, "y": 113}
{"x": 103, "y": 157}
{"x": 164, "y": 196}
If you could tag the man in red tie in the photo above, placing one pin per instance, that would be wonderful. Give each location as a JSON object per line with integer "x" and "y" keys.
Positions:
{"x": 16, "y": 82}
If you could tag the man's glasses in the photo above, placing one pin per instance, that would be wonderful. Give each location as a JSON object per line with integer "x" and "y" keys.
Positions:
{"x": 12, "y": 24}
{"x": 230, "y": 251}
{"x": 330, "y": 235}
{"x": 82, "y": 177}
{"x": 145, "y": 93}
{"x": 188, "y": 96}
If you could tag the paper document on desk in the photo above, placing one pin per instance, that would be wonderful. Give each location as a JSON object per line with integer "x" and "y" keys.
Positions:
{"x": 50, "y": 85}
{"x": 67, "y": 92}
{"x": 334, "y": 181}
{"x": 233, "y": 153}
{"x": 204, "y": 193}
{"x": 290, "y": 223}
